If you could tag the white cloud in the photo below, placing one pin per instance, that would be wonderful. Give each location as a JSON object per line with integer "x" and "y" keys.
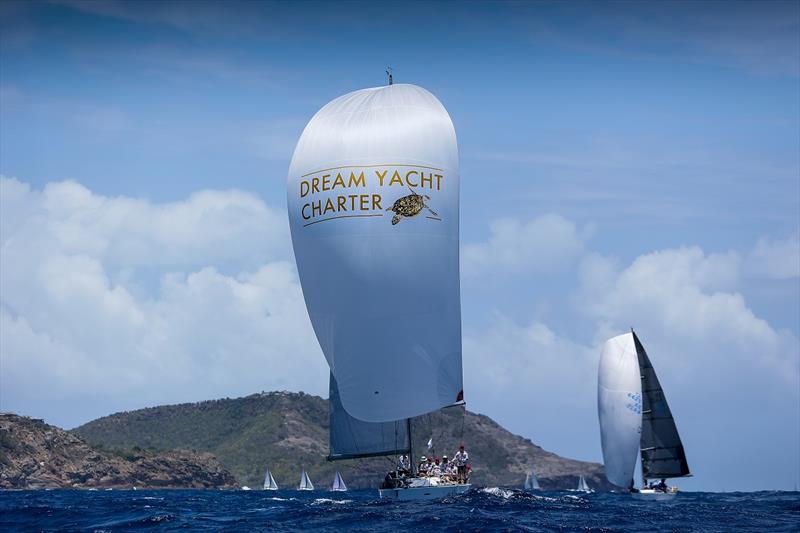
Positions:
{"x": 79, "y": 318}
{"x": 544, "y": 244}
{"x": 775, "y": 259}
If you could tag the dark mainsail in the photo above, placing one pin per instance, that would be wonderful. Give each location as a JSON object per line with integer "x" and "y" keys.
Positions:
{"x": 351, "y": 438}
{"x": 661, "y": 447}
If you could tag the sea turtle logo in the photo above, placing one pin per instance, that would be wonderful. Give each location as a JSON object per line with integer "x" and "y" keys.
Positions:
{"x": 410, "y": 206}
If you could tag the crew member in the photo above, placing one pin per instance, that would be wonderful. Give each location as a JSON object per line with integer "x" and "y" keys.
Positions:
{"x": 461, "y": 459}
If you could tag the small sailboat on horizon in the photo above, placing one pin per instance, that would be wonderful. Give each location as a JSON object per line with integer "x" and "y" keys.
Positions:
{"x": 531, "y": 481}
{"x": 635, "y": 418}
{"x": 338, "y": 483}
{"x": 305, "y": 482}
{"x": 269, "y": 481}
{"x": 583, "y": 486}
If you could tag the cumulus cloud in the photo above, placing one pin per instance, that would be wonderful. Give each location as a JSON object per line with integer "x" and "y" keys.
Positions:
{"x": 543, "y": 244}
{"x": 775, "y": 259}
{"x": 125, "y": 300}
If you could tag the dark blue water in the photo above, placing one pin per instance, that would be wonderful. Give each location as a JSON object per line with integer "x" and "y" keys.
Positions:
{"x": 478, "y": 510}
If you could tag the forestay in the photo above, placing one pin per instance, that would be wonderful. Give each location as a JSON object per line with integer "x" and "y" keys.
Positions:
{"x": 619, "y": 407}
{"x": 661, "y": 447}
{"x": 351, "y": 438}
{"x": 373, "y": 203}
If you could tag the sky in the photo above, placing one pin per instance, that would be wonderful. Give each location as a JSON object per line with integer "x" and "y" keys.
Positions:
{"x": 644, "y": 167}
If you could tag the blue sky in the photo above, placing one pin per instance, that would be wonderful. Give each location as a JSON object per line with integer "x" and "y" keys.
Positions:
{"x": 622, "y": 165}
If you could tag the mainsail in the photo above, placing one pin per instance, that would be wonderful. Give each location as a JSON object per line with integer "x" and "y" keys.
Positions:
{"x": 338, "y": 483}
{"x": 619, "y": 408}
{"x": 269, "y": 481}
{"x": 661, "y": 447}
{"x": 352, "y": 438}
{"x": 373, "y": 203}
{"x": 583, "y": 486}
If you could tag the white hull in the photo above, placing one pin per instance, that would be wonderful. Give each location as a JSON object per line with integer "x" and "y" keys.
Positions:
{"x": 304, "y": 489}
{"x": 423, "y": 493}
{"x": 657, "y": 495}
{"x": 270, "y": 488}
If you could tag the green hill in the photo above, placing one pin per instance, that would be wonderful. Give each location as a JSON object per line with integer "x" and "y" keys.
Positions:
{"x": 287, "y": 432}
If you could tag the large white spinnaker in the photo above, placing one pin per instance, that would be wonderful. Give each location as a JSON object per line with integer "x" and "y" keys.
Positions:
{"x": 619, "y": 407}
{"x": 373, "y": 192}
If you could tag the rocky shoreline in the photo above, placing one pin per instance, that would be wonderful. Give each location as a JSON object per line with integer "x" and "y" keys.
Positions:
{"x": 36, "y": 455}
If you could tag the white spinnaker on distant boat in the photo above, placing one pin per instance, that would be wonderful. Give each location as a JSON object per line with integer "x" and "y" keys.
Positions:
{"x": 619, "y": 407}
{"x": 373, "y": 203}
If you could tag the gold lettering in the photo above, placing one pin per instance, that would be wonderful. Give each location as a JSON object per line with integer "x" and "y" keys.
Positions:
{"x": 304, "y": 188}
{"x": 326, "y": 182}
{"x": 396, "y": 178}
{"x": 408, "y": 178}
{"x": 381, "y": 176}
{"x": 353, "y": 201}
{"x": 316, "y": 208}
{"x": 355, "y": 181}
{"x": 438, "y": 181}
{"x": 338, "y": 181}
{"x": 303, "y": 212}
{"x": 428, "y": 178}
{"x": 376, "y": 202}
{"x": 328, "y": 207}
{"x": 315, "y": 184}
{"x": 341, "y": 200}
{"x": 364, "y": 202}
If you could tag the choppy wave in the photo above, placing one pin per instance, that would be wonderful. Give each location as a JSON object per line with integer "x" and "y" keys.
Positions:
{"x": 491, "y": 508}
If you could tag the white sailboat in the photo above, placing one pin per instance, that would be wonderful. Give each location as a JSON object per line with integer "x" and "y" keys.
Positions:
{"x": 305, "y": 482}
{"x": 531, "y": 481}
{"x": 373, "y": 199}
{"x": 338, "y": 483}
{"x": 269, "y": 481}
{"x": 635, "y": 418}
{"x": 583, "y": 486}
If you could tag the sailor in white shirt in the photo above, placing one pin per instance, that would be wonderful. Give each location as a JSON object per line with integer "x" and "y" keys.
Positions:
{"x": 461, "y": 458}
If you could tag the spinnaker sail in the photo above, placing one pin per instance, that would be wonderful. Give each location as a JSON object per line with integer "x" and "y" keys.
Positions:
{"x": 661, "y": 447}
{"x": 619, "y": 408}
{"x": 351, "y": 438}
{"x": 373, "y": 203}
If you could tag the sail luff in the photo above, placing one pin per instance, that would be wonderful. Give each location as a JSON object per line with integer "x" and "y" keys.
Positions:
{"x": 272, "y": 484}
{"x": 527, "y": 484}
{"x": 662, "y": 451}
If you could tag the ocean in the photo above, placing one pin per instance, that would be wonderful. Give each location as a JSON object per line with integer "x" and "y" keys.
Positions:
{"x": 488, "y": 509}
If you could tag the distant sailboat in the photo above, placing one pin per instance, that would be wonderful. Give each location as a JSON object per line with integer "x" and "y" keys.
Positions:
{"x": 531, "y": 481}
{"x": 338, "y": 483}
{"x": 583, "y": 486}
{"x": 269, "y": 481}
{"x": 305, "y": 482}
{"x": 635, "y": 417}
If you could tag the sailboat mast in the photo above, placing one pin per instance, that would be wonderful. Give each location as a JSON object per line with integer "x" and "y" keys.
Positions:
{"x": 410, "y": 447}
